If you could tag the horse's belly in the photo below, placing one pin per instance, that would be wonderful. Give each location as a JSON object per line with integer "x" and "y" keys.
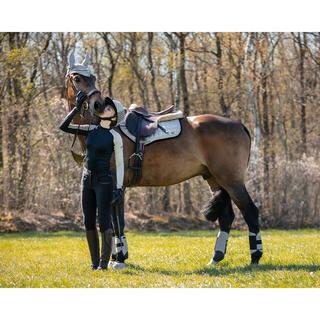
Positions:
{"x": 168, "y": 162}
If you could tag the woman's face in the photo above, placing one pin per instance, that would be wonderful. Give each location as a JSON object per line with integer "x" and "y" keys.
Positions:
{"x": 108, "y": 111}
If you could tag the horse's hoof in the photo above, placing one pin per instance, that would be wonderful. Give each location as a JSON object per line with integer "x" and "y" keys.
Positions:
{"x": 218, "y": 256}
{"x": 255, "y": 257}
{"x": 118, "y": 265}
{"x": 110, "y": 263}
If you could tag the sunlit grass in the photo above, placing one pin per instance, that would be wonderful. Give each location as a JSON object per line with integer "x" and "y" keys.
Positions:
{"x": 179, "y": 259}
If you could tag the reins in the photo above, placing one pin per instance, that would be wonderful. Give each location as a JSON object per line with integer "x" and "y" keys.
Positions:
{"x": 78, "y": 158}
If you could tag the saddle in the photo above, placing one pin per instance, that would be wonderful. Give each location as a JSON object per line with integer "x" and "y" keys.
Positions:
{"x": 143, "y": 125}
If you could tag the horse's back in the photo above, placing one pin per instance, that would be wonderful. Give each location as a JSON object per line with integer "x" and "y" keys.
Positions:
{"x": 210, "y": 124}
{"x": 209, "y": 120}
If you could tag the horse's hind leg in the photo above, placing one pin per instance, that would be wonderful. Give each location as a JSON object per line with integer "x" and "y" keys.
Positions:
{"x": 250, "y": 212}
{"x": 219, "y": 207}
{"x": 226, "y": 217}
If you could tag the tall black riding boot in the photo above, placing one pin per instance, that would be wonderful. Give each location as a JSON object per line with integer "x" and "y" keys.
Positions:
{"x": 93, "y": 244}
{"x": 106, "y": 249}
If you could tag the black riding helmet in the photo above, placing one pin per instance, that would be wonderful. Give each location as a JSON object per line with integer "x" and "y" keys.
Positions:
{"x": 119, "y": 111}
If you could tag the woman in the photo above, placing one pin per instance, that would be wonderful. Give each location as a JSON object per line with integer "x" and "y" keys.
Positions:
{"x": 97, "y": 186}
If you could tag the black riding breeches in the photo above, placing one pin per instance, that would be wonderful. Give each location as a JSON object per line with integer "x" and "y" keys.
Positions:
{"x": 96, "y": 193}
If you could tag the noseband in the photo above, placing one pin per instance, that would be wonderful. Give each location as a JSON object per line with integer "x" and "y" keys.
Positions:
{"x": 92, "y": 92}
{"x": 76, "y": 91}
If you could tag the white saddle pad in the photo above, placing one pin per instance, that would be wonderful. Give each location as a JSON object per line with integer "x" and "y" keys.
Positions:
{"x": 172, "y": 128}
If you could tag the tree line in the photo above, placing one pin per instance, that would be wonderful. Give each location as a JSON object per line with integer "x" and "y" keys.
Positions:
{"x": 269, "y": 81}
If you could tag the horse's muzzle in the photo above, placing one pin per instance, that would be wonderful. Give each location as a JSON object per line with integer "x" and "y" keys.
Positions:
{"x": 98, "y": 106}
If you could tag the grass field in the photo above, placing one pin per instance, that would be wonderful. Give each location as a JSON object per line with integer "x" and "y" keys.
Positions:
{"x": 179, "y": 259}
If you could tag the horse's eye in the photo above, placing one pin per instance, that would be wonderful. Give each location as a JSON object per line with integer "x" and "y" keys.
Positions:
{"x": 77, "y": 79}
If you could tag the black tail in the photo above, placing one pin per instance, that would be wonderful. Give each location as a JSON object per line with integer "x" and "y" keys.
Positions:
{"x": 218, "y": 204}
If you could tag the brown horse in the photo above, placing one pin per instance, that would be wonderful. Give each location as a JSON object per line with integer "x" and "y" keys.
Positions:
{"x": 211, "y": 146}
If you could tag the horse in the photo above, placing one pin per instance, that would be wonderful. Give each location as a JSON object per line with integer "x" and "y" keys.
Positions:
{"x": 211, "y": 146}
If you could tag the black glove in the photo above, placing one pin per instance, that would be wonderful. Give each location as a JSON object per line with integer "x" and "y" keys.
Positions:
{"x": 81, "y": 97}
{"x": 117, "y": 196}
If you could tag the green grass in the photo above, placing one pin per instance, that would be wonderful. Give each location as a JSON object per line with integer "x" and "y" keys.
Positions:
{"x": 176, "y": 259}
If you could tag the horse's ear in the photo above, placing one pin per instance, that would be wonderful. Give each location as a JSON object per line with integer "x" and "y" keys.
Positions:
{"x": 71, "y": 59}
{"x": 86, "y": 60}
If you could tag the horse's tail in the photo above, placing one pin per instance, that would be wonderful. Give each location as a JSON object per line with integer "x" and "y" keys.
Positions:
{"x": 248, "y": 133}
{"x": 218, "y": 205}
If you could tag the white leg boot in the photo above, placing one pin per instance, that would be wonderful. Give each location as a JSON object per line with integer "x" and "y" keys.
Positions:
{"x": 121, "y": 247}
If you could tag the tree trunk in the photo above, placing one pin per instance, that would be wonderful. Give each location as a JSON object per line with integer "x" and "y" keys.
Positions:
{"x": 1, "y": 161}
{"x": 253, "y": 95}
{"x": 187, "y": 203}
{"x": 9, "y": 142}
{"x": 182, "y": 73}
{"x": 224, "y": 108}
{"x": 175, "y": 72}
{"x": 112, "y": 63}
{"x": 303, "y": 124}
{"x": 266, "y": 135}
{"x": 151, "y": 69}
{"x": 142, "y": 84}
{"x": 239, "y": 78}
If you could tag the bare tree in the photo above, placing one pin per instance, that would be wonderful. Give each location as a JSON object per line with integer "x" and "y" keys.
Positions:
{"x": 151, "y": 69}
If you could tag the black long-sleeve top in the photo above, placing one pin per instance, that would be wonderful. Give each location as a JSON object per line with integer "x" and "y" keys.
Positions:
{"x": 100, "y": 144}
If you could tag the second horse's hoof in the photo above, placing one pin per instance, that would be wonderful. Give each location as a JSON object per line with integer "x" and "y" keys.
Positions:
{"x": 255, "y": 257}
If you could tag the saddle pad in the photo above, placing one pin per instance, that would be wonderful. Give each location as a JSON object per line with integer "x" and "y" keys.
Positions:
{"x": 173, "y": 128}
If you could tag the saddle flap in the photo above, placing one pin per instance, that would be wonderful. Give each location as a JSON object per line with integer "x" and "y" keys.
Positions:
{"x": 137, "y": 124}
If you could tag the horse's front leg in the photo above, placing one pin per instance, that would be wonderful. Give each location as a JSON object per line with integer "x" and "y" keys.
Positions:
{"x": 119, "y": 242}
{"x": 225, "y": 219}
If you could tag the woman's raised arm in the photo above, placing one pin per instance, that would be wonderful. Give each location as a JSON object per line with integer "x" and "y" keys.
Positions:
{"x": 68, "y": 127}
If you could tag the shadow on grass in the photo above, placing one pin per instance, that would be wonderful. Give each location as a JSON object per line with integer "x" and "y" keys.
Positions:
{"x": 135, "y": 269}
{"x": 225, "y": 270}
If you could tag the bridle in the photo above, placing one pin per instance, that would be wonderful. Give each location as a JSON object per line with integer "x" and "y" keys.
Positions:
{"x": 76, "y": 91}
{"x": 92, "y": 92}
{"x": 78, "y": 157}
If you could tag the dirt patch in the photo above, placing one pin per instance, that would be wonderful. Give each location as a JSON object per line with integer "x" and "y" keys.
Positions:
{"x": 28, "y": 221}
{"x": 165, "y": 222}
{"x": 58, "y": 221}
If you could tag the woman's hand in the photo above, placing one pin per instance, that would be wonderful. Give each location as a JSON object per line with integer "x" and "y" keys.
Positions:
{"x": 81, "y": 97}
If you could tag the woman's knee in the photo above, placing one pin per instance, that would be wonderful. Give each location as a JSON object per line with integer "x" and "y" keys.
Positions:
{"x": 104, "y": 225}
{"x": 89, "y": 222}
{"x": 104, "y": 222}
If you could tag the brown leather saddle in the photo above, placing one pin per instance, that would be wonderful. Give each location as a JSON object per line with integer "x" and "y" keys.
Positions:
{"x": 141, "y": 124}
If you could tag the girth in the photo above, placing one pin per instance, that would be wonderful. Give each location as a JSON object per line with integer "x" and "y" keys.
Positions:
{"x": 142, "y": 125}
{"x": 136, "y": 159}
